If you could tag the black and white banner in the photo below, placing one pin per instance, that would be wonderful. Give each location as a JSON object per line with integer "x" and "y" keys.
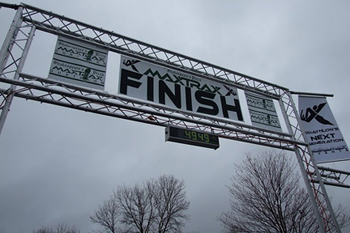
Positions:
{"x": 79, "y": 63}
{"x": 321, "y": 130}
{"x": 262, "y": 112}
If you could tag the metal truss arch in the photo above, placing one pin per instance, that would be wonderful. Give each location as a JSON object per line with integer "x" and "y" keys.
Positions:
{"x": 15, "y": 83}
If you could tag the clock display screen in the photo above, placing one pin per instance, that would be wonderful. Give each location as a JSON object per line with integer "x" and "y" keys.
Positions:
{"x": 191, "y": 137}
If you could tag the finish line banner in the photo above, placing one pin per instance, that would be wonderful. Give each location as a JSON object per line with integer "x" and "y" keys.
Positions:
{"x": 178, "y": 90}
{"x": 322, "y": 133}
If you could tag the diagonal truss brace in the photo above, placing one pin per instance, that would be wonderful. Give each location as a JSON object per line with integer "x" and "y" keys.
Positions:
{"x": 333, "y": 177}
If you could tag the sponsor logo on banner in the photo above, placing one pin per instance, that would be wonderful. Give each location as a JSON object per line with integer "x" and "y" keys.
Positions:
{"x": 322, "y": 133}
{"x": 178, "y": 90}
{"x": 79, "y": 63}
{"x": 262, "y": 112}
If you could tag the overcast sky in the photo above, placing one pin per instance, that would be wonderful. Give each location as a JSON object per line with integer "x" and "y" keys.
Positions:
{"x": 58, "y": 165}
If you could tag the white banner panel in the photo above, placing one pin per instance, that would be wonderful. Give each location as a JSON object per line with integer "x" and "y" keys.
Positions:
{"x": 79, "y": 63}
{"x": 262, "y": 112}
{"x": 178, "y": 90}
{"x": 321, "y": 130}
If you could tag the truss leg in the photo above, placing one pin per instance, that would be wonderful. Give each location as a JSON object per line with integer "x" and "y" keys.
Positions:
{"x": 319, "y": 198}
{"x": 6, "y": 51}
{"x": 10, "y": 38}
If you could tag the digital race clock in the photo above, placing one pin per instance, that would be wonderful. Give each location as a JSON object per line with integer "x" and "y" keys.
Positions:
{"x": 191, "y": 137}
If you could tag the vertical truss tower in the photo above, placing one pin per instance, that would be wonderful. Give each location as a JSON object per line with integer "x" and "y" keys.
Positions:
{"x": 14, "y": 83}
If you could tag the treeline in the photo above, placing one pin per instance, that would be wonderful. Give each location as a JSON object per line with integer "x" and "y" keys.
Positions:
{"x": 265, "y": 196}
{"x": 154, "y": 206}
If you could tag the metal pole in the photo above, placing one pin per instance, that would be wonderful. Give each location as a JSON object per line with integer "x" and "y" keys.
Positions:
{"x": 11, "y": 90}
{"x": 311, "y": 94}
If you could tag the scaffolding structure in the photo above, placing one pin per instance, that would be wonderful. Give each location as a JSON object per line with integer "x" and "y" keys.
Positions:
{"x": 15, "y": 48}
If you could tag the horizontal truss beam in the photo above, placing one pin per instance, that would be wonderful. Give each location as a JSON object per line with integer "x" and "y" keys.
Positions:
{"x": 333, "y": 177}
{"x": 48, "y": 91}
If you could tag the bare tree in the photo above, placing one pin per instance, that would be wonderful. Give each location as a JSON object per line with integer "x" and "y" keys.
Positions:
{"x": 170, "y": 204}
{"x": 136, "y": 205}
{"x": 107, "y": 216}
{"x": 156, "y": 206}
{"x": 61, "y": 228}
{"x": 266, "y": 196}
